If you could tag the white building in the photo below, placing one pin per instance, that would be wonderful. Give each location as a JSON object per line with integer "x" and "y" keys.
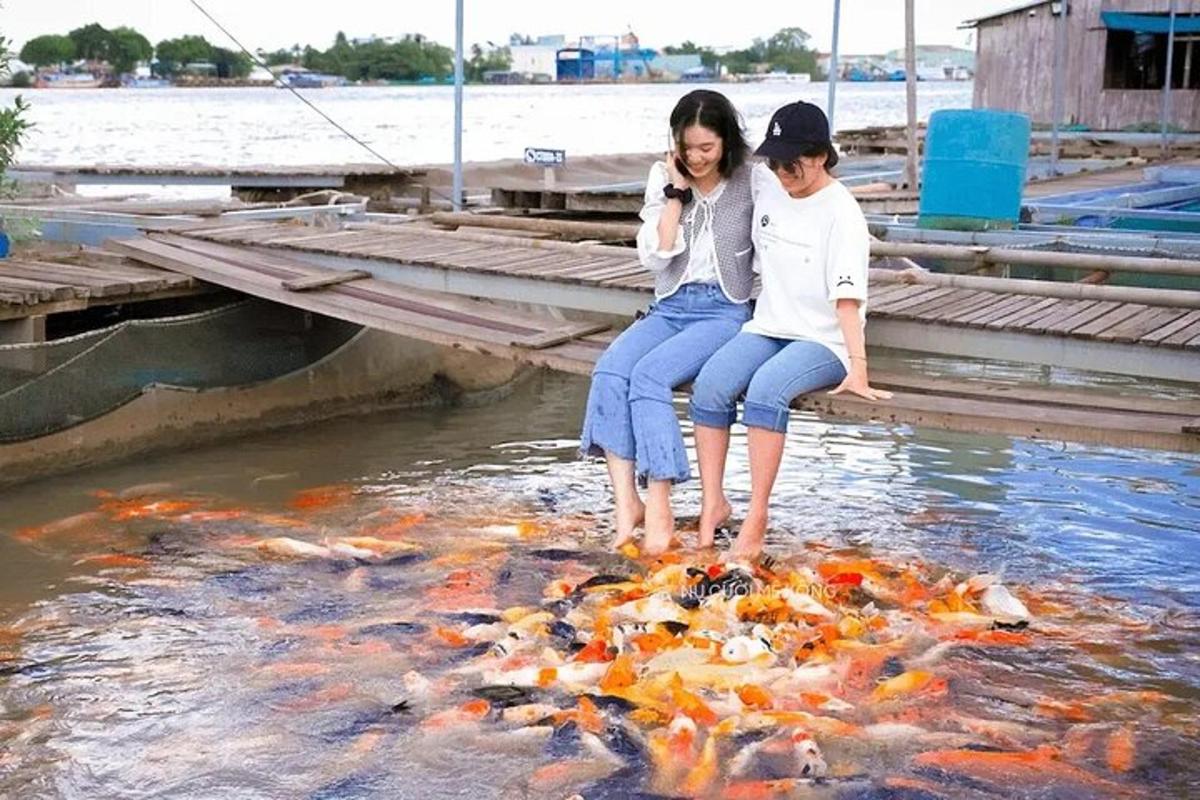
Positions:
{"x": 535, "y": 59}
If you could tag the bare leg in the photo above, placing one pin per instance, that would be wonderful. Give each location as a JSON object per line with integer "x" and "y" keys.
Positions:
{"x": 712, "y": 445}
{"x": 630, "y": 511}
{"x": 660, "y": 521}
{"x": 766, "y": 451}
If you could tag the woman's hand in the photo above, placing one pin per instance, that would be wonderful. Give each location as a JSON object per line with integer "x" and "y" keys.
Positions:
{"x": 677, "y": 178}
{"x": 856, "y": 383}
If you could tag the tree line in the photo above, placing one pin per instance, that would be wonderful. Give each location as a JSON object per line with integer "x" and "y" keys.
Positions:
{"x": 409, "y": 58}
{"x": 786, "y": 51}
{"x": 123, "y": 48}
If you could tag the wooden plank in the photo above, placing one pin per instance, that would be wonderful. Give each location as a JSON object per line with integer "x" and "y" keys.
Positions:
{"x": 1014, "y": 320}
{"x": 1040, "y": 422}
{"x": 968, "y": 302}
{"x": 1133, "y": 328}
{"x": 98, "y": 283}
{"x": 1060, "y": 313}
{"x": 1183, "y": 335}
{"x": 1119, "y": 314}
{"x": 277, "y": 266}
{"x": 583, "y": 268}
{"x": 1099, "y": 309}
{"x": 1014, "y": 394}
{"x": 1155, "y": 337}
{"x": 343, "y": 298}
{"x": 39, "y": 273}
{"x": 333, "y": 302}
{"x": 933, "y": 304}
{"x": 919, "y": 294}
{"x": 1002, "y": 308}
{"x": 983, "y": 303}
{"x": 559, "y": 335}
{"x": 320, "y": 282}
{"x": 1032, "y": 322}
{"x": 40, "y": 290}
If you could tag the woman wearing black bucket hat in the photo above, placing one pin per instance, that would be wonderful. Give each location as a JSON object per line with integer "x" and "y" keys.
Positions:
{"x": 812, "y": 249}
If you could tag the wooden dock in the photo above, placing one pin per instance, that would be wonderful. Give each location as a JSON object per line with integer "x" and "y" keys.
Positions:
{"x": 369, "y": 180}
{"x": 412, "y": 281}
{"x": 32, "y": 288}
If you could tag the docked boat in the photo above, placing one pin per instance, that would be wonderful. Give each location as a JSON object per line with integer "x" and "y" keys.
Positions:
{"x": 67, "y": 80}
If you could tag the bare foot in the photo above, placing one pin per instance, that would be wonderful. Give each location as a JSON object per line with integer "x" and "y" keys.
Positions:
{"x": 660, "y": 530}
{"x": 749, "y": 543}
{"x": 711, "y": 519}
{"x": 628, "y": 518}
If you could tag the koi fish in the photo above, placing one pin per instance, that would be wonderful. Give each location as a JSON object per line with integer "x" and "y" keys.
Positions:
{"x": 320, "y": 498}
{"x": 1038, "y": 767}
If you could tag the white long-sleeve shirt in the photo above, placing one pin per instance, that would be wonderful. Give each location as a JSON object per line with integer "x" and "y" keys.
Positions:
{"x": 702, "y": 256}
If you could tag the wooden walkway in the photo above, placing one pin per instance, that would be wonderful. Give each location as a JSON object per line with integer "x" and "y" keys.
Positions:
{"x": 269, "y": 261}
{"x": 32, "y": 287}
{"x": 942, "y": 308}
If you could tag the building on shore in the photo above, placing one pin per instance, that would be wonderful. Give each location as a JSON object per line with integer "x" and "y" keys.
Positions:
{"x": 1116, "y": 60}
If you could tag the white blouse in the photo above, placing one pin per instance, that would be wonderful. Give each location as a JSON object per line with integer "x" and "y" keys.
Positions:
{"x": 702, "y": 256}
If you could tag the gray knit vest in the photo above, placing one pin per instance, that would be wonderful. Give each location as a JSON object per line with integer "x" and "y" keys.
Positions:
{"x": 733, "y": 215}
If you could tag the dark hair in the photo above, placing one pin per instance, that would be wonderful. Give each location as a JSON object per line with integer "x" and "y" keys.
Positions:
{"x": 714, "y": 111}
{"x": 808, "y": 151}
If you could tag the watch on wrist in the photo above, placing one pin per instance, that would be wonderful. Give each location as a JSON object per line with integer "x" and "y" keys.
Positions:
{"x": 671, "y": 192}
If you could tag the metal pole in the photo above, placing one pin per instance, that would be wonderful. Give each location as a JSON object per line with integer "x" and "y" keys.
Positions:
{"x": 910, "y": 85}
{"x": 1060, "y": 68}
{"x": 1166, "y": 102}
{"x": 833, "y": 63}
{"x": 457, "y": 200}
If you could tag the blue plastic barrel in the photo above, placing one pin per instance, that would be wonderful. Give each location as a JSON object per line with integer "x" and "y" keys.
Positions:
{"x": 974, "y": 169}
{"x": 3, "y": 244}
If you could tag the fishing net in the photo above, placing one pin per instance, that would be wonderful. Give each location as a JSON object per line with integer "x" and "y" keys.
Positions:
{"x": 47, "y": 387}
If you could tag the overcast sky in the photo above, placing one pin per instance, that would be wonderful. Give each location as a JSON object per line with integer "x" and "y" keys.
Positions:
{"x": 868, "y": 26}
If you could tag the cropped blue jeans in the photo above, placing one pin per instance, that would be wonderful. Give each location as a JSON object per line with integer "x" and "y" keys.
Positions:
{"x": 629, "y": 410}
{"x": 772, "y": 372}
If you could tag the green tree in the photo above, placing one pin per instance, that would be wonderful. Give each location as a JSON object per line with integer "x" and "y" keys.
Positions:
{"x": 788, "y": 51}
{"x": 230, "y": 63}
{"x": 497, "y": 60}
{"x": 13, "y": 124}
{"x": 48, "y": 51}
{"x": 92, "y": 42}
{"x": 126, "y": 47}
{"x": 173, "y": 54}
{"x": 277, "y": 57}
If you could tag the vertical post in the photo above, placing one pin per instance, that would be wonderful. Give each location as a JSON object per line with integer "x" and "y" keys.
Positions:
{"x": 910, "y": 84}
{"x": 1166, "y": 101}
{"x": 1060, "y": 68}
{"x": 833, "y": 63}
{"x": 457, "y": 201}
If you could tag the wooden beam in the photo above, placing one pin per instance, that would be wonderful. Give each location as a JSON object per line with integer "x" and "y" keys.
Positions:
{"x": 322, "y": 281}
{"x": 1038, "y": 258}
{"x": 578, "y": 230}
{"x": 1174, "y": 298}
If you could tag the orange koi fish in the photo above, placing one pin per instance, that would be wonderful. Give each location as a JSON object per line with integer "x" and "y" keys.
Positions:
{"x": 322, "y": 497}
{"x": 1009, "y": 769}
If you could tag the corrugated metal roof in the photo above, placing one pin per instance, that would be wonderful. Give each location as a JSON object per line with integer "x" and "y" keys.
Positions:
{"x": 971, "y": 23}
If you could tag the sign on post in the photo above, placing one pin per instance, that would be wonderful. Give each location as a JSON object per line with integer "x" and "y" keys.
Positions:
{"x": 541, "y": 156}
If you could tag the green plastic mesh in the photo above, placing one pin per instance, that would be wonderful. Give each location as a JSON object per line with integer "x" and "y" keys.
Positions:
{"x": 48, "y": 387}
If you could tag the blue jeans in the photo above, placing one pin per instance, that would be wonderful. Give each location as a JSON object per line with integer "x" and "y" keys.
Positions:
{"x": 629, "y": 409}
{"x": 772, "y": 372}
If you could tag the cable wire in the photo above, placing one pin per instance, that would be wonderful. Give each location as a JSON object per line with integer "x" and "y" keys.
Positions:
{"x": 305, "y": 100}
